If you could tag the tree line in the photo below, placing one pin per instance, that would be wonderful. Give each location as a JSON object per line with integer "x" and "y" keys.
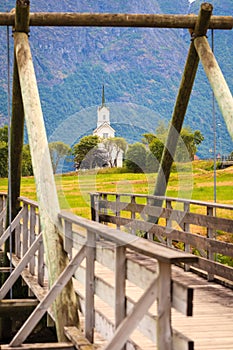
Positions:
{"x": 91, "y": 151}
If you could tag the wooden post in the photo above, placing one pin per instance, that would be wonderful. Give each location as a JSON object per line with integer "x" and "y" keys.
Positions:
{"x": 65, "y": 306}
{"x": 120, "y": 288}
{"x": 90, "y": 286}
{"x": 181, "y": 105}
{"x": 164, "y": 331}
{"x": 17, "y": 122}
{"x": 218, "y": 83}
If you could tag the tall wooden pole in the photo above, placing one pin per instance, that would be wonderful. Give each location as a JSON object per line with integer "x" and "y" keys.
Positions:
{"x": 217, "y": 81}
{"x": 181, "y": 104}
{"x": 17, "y": 121}
{"x": 65, "y": 306}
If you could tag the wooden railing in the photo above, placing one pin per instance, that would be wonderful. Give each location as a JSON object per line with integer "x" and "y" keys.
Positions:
{"x": 193, "y": 226}
{"x": 89, "y": 245}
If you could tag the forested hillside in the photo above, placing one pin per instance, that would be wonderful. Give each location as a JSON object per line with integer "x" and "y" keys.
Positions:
{"x": 141, "y": 70}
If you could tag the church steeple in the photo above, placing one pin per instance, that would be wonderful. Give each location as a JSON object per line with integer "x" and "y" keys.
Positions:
{"x": 103, "y": 97}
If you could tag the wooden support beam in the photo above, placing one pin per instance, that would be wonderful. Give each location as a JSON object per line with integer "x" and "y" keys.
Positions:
{"x": 14, "y": 224}
{"x": 21, "y": 23}
{"x": 181, "y": 105}
{"x": 65, "y": 306}
{"x": 17, "y": 271}
{"x": 15, "y": 307}
{"x": 117, "y": 20}
{"x": 217, "y": 81}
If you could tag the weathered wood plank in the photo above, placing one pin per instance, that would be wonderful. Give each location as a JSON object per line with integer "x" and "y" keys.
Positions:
{"x": 181, "y": 217}
{"x": 78, "y": 339}
{"x": 120, "y": 284}
{"x": 90, "y": 286}
{"x": 192, "y": 239}
{"x": 39, "y": 346}
{"x": 117, "y": 20}
{"x": 13, "y": 307}
{"x": 32, "y": 236}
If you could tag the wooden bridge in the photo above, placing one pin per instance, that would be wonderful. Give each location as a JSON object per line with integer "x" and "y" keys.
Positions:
{"x": 131, "y": 291}
{"x": 106, "y": 287}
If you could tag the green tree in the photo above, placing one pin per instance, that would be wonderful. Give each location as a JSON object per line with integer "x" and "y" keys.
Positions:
{"x": 58, "y": 151}
{"x": 154, "y": 156}
{"x": 136, "y": 157}
{"x": 186, "y": 147}
{"x": 114, "y": 146}
{"x": 82, "y": 151}
{"x": 187, "y": 144}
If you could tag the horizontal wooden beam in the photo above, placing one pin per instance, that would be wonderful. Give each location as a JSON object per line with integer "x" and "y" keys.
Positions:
{"x": 116, "y": 20}
{"x": 39, "y": 346}
{"x": 17, "y": 307}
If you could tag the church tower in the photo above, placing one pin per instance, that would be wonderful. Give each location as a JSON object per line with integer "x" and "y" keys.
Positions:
{"x": 103, "y": 130}
{"x": 103, "y": 113}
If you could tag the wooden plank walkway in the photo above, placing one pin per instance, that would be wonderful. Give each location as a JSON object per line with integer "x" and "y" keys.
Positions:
{"x": 210, "y": 327}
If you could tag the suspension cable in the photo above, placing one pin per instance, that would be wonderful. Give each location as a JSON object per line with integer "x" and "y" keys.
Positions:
{"x": 9, "y": 149}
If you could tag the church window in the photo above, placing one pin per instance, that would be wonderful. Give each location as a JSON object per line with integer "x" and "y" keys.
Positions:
{"x": 104, "y": 117}
{"x": 105, "y": 135}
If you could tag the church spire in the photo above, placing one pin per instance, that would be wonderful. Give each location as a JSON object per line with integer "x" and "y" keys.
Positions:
{"x": 103, "y": 97}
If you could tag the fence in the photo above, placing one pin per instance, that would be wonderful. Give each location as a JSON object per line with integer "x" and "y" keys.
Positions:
{"x": 193, "y": 226}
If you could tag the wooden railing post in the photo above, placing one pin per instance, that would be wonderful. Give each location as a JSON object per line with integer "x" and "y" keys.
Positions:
{"x": 133, "y": 216}
{"x": 2, "y": 219}
{"x": 93, "y": 213}
{"x": 186, "y": 229}
{"x": 210, "y": 234}
{"x": 41, "y": 264}
{"x": 118, "y": 213}
{"x": 120, "y": 276}
{"x": 90, "y": 286}
{"x": 169, "y": 222}
{"x": 164, "y": 331}
{"x": 32, "y": 236}
{"x": 17, "y": 241}
{"x": 25, "y": 229}
{"x": 68, "y": 243}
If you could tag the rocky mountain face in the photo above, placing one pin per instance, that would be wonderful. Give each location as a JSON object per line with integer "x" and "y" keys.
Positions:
{"x": 140, "y": 68}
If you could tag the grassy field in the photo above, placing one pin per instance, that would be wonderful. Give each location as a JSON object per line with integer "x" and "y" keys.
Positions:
{"x": 191, "y": 181}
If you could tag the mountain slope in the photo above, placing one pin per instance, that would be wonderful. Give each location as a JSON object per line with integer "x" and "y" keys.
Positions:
{"x": 141, "y": 70}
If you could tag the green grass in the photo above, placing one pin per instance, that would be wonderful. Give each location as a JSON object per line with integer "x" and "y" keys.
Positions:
{"x": 191, "y": 182}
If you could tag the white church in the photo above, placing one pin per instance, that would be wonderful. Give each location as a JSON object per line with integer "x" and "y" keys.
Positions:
{"x": 105, "y": 131}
